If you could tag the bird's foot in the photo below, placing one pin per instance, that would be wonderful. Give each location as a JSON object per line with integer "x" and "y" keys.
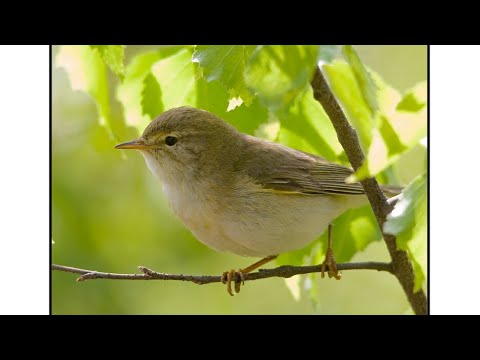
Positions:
{"x": 331, "y": 264}
{"x": 237, "y": 277}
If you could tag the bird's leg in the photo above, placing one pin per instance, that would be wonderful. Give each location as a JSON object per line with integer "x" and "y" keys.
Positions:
{"x": 238, "y": 276}
{"x": 330, "y": 260}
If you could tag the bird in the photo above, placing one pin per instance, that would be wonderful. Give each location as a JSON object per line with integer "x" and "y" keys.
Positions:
{"x": 242, "y": 194}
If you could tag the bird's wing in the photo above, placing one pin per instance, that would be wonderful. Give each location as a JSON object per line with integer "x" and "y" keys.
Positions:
{"x": 319, "y": 178}
{"x": 293, "y": 171}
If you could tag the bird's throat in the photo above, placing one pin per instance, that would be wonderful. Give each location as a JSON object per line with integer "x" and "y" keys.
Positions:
{"x": 180, "y": 195}
{"x": 153, "y": 165}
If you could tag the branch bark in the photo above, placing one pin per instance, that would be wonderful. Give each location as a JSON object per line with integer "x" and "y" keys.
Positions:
{"x": 285, "y": 271}
{"x": 402, "y": 268}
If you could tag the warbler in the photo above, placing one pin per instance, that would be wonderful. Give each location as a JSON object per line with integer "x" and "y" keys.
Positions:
{"x": 242, "y": 194}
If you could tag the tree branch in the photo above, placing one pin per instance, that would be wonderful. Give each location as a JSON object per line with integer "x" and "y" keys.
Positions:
{"x": 402, "y": 268}
{"x": 285, "y": 271}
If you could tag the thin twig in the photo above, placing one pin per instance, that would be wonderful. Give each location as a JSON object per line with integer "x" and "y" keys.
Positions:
{"x": 285, "y": 271}
{"x": 402, "y": 268}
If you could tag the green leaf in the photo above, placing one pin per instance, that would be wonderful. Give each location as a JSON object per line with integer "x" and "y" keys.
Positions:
{"x": 408, "y": 221}
{"x": 351, "y": 232}
{"x": 152, "y": 104}
{"x": 307, "y": 127}
{"x": 130, "y": 92}
{"x": 385, "y": 130}
{"x": 176, "y": 75}
{"x": 278, "y": 74}
{"x": 297, "y": 257}
{"x": 363, "y": 78}
{"x": 113, "y": 56}
{"x": 226, "y": 64}
{"x": 414, "y": 99}
{"x": 212, "y": 96}
{"x": 344, "y": 85}
{"x": 87, "y": 72}
{"x": 390, "y": 137}
{"x": 247, "y": 119}
{"x": 399, "y": 130}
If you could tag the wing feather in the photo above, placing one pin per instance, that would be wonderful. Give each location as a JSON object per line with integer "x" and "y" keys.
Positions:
{"x": 294, "y": 171}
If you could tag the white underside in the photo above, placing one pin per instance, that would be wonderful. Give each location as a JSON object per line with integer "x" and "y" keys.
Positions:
{"x": 260, "y": 223}
{"x": 271, "y": 225}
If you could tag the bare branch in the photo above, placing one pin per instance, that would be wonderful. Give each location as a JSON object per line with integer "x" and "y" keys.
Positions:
{"x": 402, "y": 268}
{"x": 285, "y": 271}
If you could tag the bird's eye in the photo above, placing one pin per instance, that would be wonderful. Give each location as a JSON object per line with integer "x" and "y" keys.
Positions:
{"x": 171, "y": 140}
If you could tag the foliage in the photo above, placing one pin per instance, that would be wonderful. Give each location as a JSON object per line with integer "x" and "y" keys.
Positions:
{"x": 225, "y": 64}
{"x": 408, "y": 221}
{"x": 289, "y": 69}
{"x": 88, "y": 72}
{"x": 264, "y": 91}
{"x": 112, "y": 55}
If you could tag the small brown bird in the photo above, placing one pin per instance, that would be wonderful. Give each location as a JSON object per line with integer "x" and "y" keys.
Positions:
{"x": 242, "y": 194}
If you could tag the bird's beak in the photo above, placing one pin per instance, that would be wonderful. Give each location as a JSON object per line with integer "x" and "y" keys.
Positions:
{"x": 135, "y": 144}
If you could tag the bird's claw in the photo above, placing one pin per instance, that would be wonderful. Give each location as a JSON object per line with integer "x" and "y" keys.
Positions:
{"x": 330, "y": 263}
{"x": 237, "y": 277}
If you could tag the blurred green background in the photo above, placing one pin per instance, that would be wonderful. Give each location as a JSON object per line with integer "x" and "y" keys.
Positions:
{"x": 109, "y": 214}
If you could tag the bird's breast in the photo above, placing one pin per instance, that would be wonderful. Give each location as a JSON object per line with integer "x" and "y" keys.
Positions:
{"x": 198, "y": 214}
